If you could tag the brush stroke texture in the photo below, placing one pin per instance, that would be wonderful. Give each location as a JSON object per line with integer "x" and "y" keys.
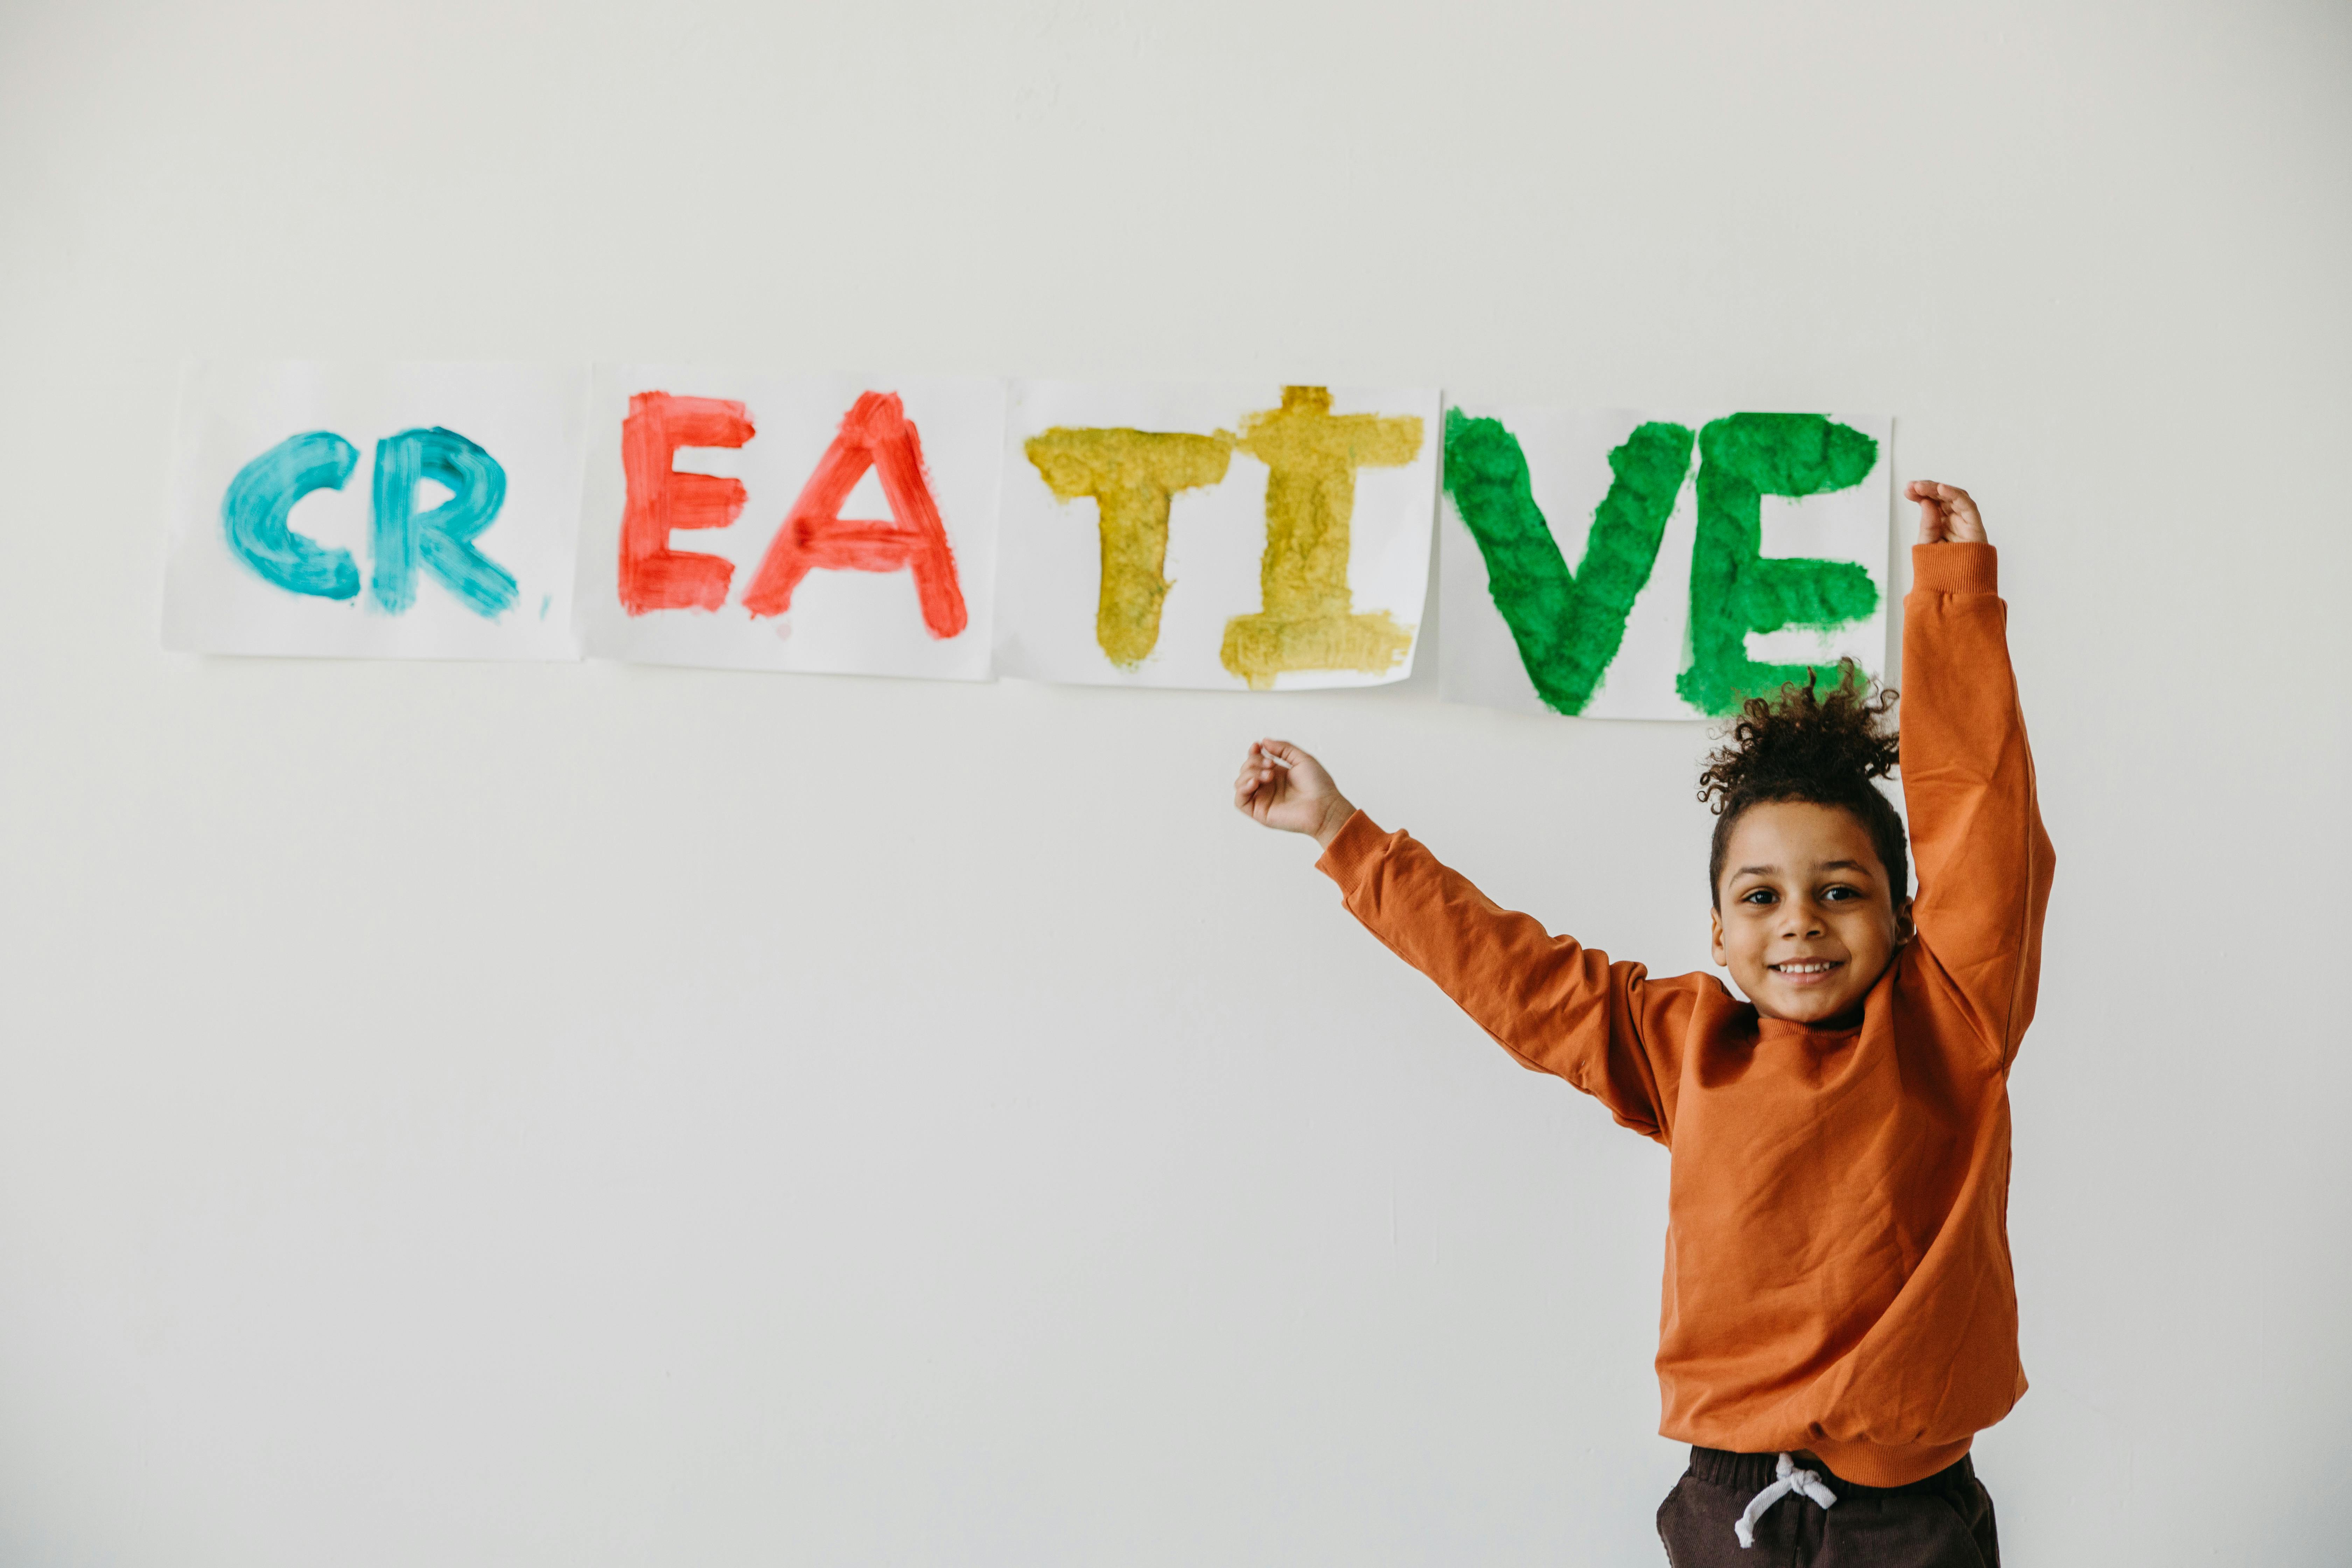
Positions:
{"x": 652, "y": 576}
{"x": 1308, "y": 619}
{"x": 1567, "y": 624}
{"x": 876, "y": 433}
{"x": 261, "y": 498}
{"x": 1735, "y": 588}
{"x": 1133, "y": 477}
{"x": 441, "y": 539}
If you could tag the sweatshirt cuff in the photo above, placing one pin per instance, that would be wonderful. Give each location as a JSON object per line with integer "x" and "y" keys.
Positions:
{"x": 1354, "y": 844}
{"x": 1954, "y": 568}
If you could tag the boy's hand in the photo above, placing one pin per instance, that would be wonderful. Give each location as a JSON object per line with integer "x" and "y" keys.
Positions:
{"x": 1281, "y": 786}
{"x": 1946, "y": 515}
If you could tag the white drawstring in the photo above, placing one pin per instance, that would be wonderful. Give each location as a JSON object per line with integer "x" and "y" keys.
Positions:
{"x": 1807, "y": 1483}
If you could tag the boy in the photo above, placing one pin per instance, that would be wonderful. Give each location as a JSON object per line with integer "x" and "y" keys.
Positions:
{"x": 1838, "y": 1317}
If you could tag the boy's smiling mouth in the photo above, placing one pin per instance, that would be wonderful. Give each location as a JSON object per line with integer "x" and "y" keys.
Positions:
{"x": 1807, "y": 971}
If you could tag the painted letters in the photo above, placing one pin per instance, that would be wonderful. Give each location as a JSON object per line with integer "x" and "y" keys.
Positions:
{"x": 1735, "y": 588}
{"x": 1133, "y": 477}
{"x": 441, "y": 539}
{"x": 653, "y": 575}
{"x": 1308, "y": 621}
{"x": 876, "y": 433}
{"x": 1567, "y": 626}
{"x": 260, "y": 500}
{"x": 1632, "y": 633}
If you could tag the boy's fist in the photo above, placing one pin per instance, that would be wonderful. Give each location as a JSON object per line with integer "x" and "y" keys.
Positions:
{"x": 1281, "y": 786}
{"x": 1946, "y": 515}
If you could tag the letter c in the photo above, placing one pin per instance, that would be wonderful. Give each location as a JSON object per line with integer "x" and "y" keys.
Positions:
{"x": 262, "y": 497}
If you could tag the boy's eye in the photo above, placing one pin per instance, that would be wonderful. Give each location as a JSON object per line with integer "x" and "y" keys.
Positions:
{"x": 1758, "y": 896}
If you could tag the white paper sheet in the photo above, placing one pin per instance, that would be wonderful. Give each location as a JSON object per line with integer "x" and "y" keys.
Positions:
{"x": 449, "y": 534}
{"x": 922, "y": 601}
{"x": 1666, "y": 663}
{"x": 1086, "y": 597}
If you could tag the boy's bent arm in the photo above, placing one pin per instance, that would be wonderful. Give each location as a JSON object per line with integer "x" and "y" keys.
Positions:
{"x": 1558, "y": 1006}
{"x": 1983, "y": 859}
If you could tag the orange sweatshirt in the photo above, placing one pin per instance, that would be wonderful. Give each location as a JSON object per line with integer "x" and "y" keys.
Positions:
{"x": 1837, "y": 1272}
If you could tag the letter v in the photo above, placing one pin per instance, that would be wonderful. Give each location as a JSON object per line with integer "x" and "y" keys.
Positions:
{"x": 1567, "y": 624}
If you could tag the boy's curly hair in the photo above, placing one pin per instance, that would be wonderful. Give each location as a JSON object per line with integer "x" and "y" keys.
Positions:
{"x": 1803, "y": 744}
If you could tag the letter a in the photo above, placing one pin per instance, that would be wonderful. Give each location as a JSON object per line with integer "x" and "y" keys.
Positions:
{"x": 877, "y": 435}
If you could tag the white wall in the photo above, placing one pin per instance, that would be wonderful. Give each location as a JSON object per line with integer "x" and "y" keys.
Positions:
{"x": 592, "y": 1115}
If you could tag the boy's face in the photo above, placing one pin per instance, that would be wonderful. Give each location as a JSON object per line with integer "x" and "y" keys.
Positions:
{"x": 1803, "y": 918}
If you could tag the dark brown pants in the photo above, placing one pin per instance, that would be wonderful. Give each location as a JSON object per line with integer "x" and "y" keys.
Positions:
{"x": 1942, "y": 1521}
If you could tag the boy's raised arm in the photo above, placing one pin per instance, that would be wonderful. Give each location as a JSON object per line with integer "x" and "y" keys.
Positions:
{"x": 1984, "y": 861}
{"x": 1556, "y": 1006}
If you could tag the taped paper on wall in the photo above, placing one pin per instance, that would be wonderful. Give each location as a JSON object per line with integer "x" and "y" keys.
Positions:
{"x": 384, "y": 511}
{"x": 1232, "y": 538}
{"x": 840, "y": 524}
{"x": 1623, "y": 565}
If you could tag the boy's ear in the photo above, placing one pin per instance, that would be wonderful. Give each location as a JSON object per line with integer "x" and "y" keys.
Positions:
{"x": 1715, "y": 933}
{"x": 1904, "y": 928}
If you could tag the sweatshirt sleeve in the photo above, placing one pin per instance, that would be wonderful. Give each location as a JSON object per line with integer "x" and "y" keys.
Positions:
{"x": 1558, "y": 1006}
{"x": 1984, "y": 862}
